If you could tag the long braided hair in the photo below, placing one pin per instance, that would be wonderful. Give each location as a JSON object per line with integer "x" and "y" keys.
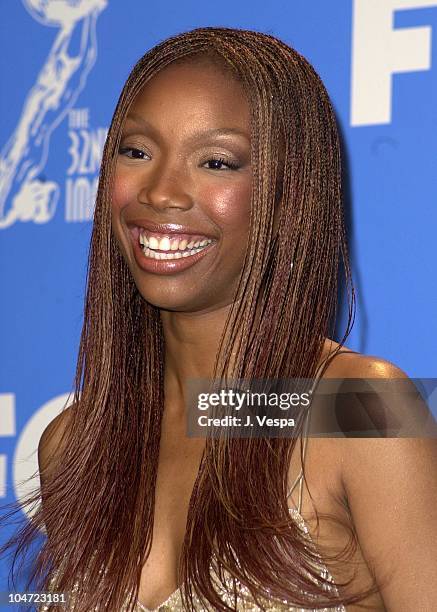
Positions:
{"x": 99, "y": 498}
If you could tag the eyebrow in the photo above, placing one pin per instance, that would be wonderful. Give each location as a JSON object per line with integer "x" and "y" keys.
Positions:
{"x": 196, "y": 137}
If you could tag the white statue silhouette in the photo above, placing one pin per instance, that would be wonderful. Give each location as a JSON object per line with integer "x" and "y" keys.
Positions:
{"x": 57, "y": 87}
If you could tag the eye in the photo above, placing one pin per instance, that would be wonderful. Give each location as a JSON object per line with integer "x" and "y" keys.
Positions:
{"x": 231, "y": 165}
{"x": 134, "y": 153}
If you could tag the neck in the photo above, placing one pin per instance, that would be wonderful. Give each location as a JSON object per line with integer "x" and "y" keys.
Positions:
{"x": 191, "y": 345}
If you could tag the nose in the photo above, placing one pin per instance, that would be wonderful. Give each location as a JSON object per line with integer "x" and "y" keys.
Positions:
{"x": 165, "y": 188}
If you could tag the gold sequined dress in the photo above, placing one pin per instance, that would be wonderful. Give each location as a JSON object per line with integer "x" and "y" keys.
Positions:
{"x": 174, "y": 602}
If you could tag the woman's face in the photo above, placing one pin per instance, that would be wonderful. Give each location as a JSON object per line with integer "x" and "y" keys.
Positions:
{"x": 182, "y": 192}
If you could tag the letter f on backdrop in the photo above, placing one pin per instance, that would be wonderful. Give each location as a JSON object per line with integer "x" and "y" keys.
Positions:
{"x": 378, "y": 51}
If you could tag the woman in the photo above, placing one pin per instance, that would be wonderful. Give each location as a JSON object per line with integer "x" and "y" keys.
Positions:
{"x": 215, "y": 252}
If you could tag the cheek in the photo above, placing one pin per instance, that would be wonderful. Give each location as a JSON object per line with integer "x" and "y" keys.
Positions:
{"x": 123, "y": 191}
{"x": 230, "y": 207}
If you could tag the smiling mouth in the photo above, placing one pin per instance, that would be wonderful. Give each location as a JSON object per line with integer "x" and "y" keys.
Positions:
{"x": 176, "y": 246}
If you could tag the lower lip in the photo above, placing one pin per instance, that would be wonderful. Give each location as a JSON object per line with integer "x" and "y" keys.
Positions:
{"x": 167, "y": 266}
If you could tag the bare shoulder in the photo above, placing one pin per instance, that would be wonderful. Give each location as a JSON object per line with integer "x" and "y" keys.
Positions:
{"x": 381, "y": 485}
{"x": 352, "y": 364}
{"x": 357, "y": 365}
{"x": 392, "y": 471}
{"x": 330, "y": 457}
{"x": 50, "y": 443}
{"x": 378, "y": 409}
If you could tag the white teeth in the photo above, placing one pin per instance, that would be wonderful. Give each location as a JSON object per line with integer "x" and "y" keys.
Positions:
{"x": 154, "y": 244}
{"x": 164, "y": 244}
{"x": 155, "y": 255}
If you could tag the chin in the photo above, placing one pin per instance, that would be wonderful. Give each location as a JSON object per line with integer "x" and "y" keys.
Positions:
{"x": 189, "y": 304}
{"x": 175, "y": 301}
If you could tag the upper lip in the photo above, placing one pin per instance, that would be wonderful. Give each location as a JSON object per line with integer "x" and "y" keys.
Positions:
{"x": 167, "y": 228}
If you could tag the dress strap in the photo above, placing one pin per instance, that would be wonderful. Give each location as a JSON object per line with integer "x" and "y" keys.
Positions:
{"x": 304, "y": 435}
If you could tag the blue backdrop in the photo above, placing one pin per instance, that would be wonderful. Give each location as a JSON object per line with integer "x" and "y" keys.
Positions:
{"x": 62, "y": 66}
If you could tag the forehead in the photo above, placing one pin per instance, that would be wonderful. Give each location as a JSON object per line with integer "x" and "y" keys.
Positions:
{"x": 196, "y": 91}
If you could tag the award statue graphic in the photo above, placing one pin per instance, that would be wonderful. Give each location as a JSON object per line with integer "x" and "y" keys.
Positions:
{"x": 61, "y": 79}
